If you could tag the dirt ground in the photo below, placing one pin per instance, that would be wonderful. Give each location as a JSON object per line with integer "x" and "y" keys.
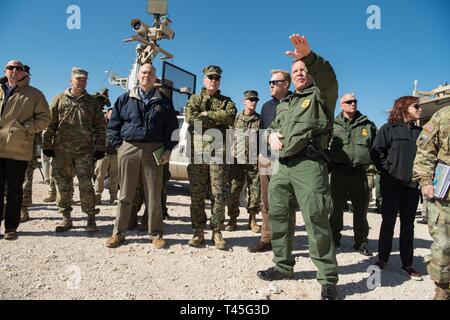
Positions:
{"x": 44, "y": 265}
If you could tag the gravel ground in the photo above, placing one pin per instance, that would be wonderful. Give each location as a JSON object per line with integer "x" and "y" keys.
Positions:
{"x": 44, "y": 265}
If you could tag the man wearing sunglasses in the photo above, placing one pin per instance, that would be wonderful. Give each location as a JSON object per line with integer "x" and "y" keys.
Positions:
{"x": 279, "y": 89}
{"x": 208, "y": 110}
{"x": 24, "y": 112}
{"x": 353, "y": 136}
{"x": 245, "y": 169}
{"x": 300, "y": 133}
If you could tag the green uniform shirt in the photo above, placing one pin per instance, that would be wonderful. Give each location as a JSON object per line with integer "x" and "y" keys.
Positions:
{"x": 308, "y": 114}
{"x": 352, "y": 141}
{"x": 245, "y": 141}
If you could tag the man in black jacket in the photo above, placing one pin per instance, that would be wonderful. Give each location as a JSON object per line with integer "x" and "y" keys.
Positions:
{"x": 142, "y": 122}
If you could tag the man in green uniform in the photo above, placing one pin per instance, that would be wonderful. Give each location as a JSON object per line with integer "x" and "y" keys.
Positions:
{"x": 353, "y": 136}
{"x": 205, "y": 111}
{"x": 300, "y": 133}
{"x": 74, "y": 139}
{"x": 433, "y": 148}
{"x": 245, "y": 169}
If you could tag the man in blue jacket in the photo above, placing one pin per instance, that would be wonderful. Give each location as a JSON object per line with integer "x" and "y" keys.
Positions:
{"x": 142, "y": 122}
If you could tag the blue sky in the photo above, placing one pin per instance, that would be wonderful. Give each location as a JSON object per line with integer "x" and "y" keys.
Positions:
{"x": 247, "y": 38}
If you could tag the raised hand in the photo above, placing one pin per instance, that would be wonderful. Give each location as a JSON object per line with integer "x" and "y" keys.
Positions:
{"x": 301, "y": 47}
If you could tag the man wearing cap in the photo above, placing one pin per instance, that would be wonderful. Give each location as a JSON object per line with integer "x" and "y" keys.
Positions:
{"x": 205, "y": 111}
{"x": 353, "y": 136}
{"x": 102, "y": 98}
{"x": 107, "y": 166}
{"x": 245, "y": 167}
{"x": 74, "y": 139}
{"x": 23, "y": 113}
{"x": 279, "y": 85}
{"x": 300, "y": 134}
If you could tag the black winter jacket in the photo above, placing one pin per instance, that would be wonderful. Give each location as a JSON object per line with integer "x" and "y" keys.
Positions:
{"x": 394, "y": 150}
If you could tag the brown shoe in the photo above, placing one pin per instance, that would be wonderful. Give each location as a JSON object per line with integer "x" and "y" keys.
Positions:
{"x": 11, "y": 235}
{"x": 198, "y": 239}
{"x": 260, "y": 247}
{"x": 66, "y": 224}
{"x": 252, "y": 225}
{"x": 232, "y": 225}
{"x": 413, "y": 274}
{"x": 159, "y": 243}
{"x": 115, "y": 241}
{"x": 218, "y": 240}
{"x": 24, "y": 215}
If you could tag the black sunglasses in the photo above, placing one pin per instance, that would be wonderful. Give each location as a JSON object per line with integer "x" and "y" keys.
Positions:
{"x": 351, "y": 101}
{"x": 11, "y": 68}
{"x": 253, "y": 99}
{"x": 213, "y": 77}
{"x": 275, "y": 82}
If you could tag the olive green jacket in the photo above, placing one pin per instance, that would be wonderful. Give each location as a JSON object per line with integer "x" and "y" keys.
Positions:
{"x": 308, "y": 115}
{"x": 352, "y": 141}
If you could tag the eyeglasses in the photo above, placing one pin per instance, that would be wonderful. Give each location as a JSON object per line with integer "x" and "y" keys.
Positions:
{"x": 416, "y": 106}
{"x": 11, "y": 68}
{"x": 275, "y": 82}
{"x": 213, "y": 77}
{"x": 351, "y": 102}
{"x": 253, "y": 99}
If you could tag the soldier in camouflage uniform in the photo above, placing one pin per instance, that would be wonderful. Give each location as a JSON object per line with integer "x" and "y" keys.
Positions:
{"x": 208, "y": 110}
{"x": 245, "y": 169}
{"x": 78, "y": 125}
{"x": 434, "y": 147}
{"x": 28, "y": 183}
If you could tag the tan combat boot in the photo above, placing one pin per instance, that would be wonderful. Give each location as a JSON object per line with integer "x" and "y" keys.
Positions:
{"x": 66, "y": 224}
{"x": 252, "y": 225}
{"x": 198, "y": 239}
{"x": 91, "y": 225}
{"x": 218, "y": 240}
{"x": 24, "y": 215}
{"x": 232, "y": 225}
{"x": 50, "y": 199}
{"x": 442, "y": 292}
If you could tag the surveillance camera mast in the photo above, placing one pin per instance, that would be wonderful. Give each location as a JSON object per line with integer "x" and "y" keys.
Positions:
{"x": 148, "y": 37}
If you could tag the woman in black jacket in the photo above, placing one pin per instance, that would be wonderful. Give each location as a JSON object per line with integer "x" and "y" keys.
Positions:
{"x": 393, "y": 153}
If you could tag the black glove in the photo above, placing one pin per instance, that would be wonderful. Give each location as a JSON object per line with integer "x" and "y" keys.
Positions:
{"x": 49, "y": 153}
{"x": 99, "y": 155}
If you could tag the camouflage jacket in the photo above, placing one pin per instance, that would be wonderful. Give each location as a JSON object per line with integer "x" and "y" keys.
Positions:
{"x": 78, "y": 126}
{"x": 221, "y": 115}
{"x": 245, "y": 139}
{"x": 433, "y": 146}
{"x": 308, "y": 115}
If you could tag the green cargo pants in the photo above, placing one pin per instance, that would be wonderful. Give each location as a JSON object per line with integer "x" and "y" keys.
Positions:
{"x": 306, "y": 181}
{"x": 353, "y": 182}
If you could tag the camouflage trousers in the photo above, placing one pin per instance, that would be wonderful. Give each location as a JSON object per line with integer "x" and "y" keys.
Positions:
{"x": 109, "y": 164}
{"x": 438, "y": 263}
{"x": 64, "y": 167}
{"x": 199, "y": 177}
{"x": 28, "y": 184}
{"x": 239, "y": 175}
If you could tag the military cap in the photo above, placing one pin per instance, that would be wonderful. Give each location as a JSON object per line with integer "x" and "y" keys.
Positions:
{"x": 79, "y": 73}
{"x": 251, "y": 94}
{"x": 210, "y": 70}
{"x": 27, "y": 69}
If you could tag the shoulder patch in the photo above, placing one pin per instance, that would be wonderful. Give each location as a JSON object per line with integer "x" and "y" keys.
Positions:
{"x": 423, "y": 139}
{"x": 428, "y": 127}
{"x": 364, "y": 132}
{"x": 306, "y": 104}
